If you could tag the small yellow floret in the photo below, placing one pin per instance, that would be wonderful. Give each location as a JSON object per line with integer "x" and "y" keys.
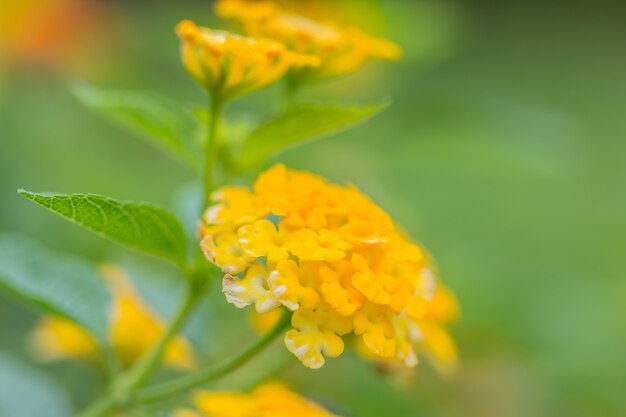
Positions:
{"x": 55, "y": 338}
{"x": 229, "y": 65}
{"x": 333, "y": 258}
{"x": 269, "y": 400}
{"x": 133, "y": 329}
{"x": 341, "y": 50}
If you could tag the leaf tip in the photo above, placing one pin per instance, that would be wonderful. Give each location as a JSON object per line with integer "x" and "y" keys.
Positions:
{"x": 386, "y": 102}
{"x": 23, "y": 192}
{"x": 81, "y": 90}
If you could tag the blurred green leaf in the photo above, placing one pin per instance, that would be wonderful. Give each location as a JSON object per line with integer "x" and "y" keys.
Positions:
{"x": 160, "y": 120}
{"x": 300, "y": 123}
{"x": 58, "y": 283}
{"x": 27, "y": 392}
{"x": 140, "y": 226}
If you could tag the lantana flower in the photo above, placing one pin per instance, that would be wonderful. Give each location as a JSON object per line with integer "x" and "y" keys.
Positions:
{"x": 335, "y": 260}
{"x": 228, "y": 65}
{"x": 133, "y": 329}
{"x": 340, "y": 49}
{"x": 269, "y": 400}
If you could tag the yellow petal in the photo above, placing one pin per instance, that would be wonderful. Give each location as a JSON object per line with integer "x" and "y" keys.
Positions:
{"x": 56, "y": 338}
{"x": 252, "y": 289}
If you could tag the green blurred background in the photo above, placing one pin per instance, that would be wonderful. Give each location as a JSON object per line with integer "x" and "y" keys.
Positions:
{"x": 504, "y": 153}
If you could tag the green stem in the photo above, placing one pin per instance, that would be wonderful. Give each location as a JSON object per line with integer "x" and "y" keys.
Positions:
{"x": 100, "y": 408}
{"x": 112, "y": 363}
{"x": 127, "y": 383}
{"x": 125, "y": 386}
{"x": 187, "y": 382}
{"x": 284, "y": 362}
{"x": 211, "y": 147}
{"x": 144, "y": 368}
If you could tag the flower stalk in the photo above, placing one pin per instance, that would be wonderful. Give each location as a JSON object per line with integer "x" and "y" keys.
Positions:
{"x": 211, "y": 147}
{"x": 127, "y": 383}
{"x": 182, "y": 384}
{"x": 145, "y": 367}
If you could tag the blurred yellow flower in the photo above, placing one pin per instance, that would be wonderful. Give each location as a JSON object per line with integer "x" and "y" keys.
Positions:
{"x": 333, "y": 258}
{"x": 56, "y": 338}
{"x": 269, "y": 400}
{"x": 134, "y": 328}
{"x": 229, "y": 65}
{"x": 340, "y": 49}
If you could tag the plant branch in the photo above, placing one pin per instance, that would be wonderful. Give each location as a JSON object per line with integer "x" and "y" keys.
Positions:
{"x": 211, "y": 147}
{"x": 187, "y": 382}
{"x": 112, "y": 363}
{"x": 100, "y": 408}
{"x": 128, "y": 382}
{"x": 146, "y": 365}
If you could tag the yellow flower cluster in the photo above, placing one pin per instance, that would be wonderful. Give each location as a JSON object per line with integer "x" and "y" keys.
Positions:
{"x": 340, "y": 49}
{"x": 229, "y": 65}
{"x": 270, "y": 400}
{"x": 333, "y": 258}
{"x": 134, "y": 328}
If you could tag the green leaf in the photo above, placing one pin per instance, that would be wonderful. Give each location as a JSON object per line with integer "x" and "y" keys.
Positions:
{"x": 300, "y": 123}
{"x": 160, "y": 120}
{"x": 140, "y": 226}
{"x": 26, "y": 392}
{"x": 58, "y": 283}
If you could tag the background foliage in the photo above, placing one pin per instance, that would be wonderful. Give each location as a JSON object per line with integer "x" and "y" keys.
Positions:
{"x": 503, "y": 153}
